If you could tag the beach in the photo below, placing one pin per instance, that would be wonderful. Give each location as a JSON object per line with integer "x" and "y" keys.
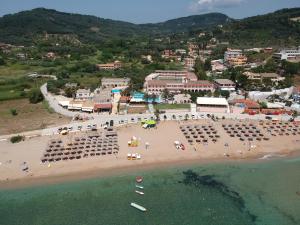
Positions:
{"x": 160, "y": 153}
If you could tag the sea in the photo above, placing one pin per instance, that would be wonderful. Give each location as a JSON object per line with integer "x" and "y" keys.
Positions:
{"x": 264, "y": 192}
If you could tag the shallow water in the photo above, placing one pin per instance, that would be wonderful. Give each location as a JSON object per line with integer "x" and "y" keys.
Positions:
{"x": 259, "y": 193}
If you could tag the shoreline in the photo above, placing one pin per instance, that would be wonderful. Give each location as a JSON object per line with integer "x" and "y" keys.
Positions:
{"x": 40, "y": 181}
{"x": 160, "y": 154}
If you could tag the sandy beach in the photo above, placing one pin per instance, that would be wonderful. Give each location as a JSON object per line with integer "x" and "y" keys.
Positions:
{"x": 160, "y": 153}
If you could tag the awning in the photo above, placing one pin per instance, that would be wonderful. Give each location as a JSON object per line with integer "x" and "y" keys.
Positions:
{"x": 102, "y": 106}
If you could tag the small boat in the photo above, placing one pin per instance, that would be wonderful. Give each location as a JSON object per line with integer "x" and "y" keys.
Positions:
{"x": 139, "y": 179}
{"x": 138, "y": 186}
{"x": 139, "y": 192}
{"x": 139, "y": 207}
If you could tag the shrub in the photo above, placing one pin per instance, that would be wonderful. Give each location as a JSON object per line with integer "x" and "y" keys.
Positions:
{"x": 13, "y": 112}
{"x": 16, "y": 139}
{"x": 35, "y": 96}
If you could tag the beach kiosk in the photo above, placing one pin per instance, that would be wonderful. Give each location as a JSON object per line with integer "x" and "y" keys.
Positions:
{"x": 149, "y": 124}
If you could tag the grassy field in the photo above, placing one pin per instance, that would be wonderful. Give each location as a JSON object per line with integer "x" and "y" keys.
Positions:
{"x": 29, "y": 116}
{"x": 172, "y": 106}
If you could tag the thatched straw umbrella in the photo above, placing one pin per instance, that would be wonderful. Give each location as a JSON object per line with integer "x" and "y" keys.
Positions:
{"x": 57, "y": 159}
{"x": 242, "y": 139}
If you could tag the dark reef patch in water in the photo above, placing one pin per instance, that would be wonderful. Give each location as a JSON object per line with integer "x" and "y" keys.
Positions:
{"x": 197, "y": 180}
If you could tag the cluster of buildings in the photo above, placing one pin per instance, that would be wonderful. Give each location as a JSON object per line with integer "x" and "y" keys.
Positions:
{"x": 99, "y": 100}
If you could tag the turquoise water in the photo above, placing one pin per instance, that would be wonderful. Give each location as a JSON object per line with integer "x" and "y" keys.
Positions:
{"x": 214, "y": 194}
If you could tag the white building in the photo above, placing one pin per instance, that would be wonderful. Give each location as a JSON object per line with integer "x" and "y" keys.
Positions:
{"x": 224, "y": 84}
{"x": 212, "y": 105}
{"x": 83, "y": 94}
{"x": 288, "y": 54}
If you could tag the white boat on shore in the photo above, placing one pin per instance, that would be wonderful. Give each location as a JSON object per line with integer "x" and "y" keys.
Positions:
{"x": 139, "y": 207}
{"x": 139, "y": 186}
{"x": 139, "y": 192}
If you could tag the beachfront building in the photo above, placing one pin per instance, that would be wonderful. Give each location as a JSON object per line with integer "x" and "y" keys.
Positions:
{"x": 245, "y": 106}
{"x": 83, "y": 94}
{"x": 212, "y": 105}
{"x": 115, "y": 82}
{"x": 288, "y": 54}
{"x": 109, "y": 66}
{"x": 224, "y": 84}
{"x": 175, "y": 82}
{"x": 235, "y": 57}
{"x": 102, "y": 100}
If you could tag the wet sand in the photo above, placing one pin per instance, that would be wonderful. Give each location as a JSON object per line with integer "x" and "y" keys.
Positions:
{"x": 161, "y": 153}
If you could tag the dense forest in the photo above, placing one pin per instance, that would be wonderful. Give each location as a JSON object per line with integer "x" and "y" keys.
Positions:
{"x": 274, "y": 29}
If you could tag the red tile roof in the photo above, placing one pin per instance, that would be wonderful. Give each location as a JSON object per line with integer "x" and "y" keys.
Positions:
{"x": 103, "y": 106}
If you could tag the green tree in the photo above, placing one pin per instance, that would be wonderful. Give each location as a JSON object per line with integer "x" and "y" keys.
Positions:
{"x": 165, "y": 94}
{"x": 2, "y": 62}
{"x": 225, "y": 94}
{"x": 70, "y": 92}
{"x": 13, "y": 112}
{"x": 35, "y": 96}
{"x": 200, "y": 70}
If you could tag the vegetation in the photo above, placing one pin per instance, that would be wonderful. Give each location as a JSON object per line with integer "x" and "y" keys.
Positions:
{"x": 171, "y": 106}
{"x": 13, "y": 112}
{"x": 16, "y": 139}
{"x": 35, "y": 96}
{"x": 273, "y": 29}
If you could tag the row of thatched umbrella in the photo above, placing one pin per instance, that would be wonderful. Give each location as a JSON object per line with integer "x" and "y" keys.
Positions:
{"x": 200, "y": 133}
{"x": 282, "y": 128}
{"x": 81, "y": 147}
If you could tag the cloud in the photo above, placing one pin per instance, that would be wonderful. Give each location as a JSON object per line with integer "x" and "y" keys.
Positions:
{"x": 210, "y": 5}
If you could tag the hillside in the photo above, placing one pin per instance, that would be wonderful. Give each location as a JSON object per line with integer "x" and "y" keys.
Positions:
{"x": 273, "y": 29}
{"x": 280, "y": 28}
{"x": 23, "y": 27}
{"x": 186, "y": 24}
